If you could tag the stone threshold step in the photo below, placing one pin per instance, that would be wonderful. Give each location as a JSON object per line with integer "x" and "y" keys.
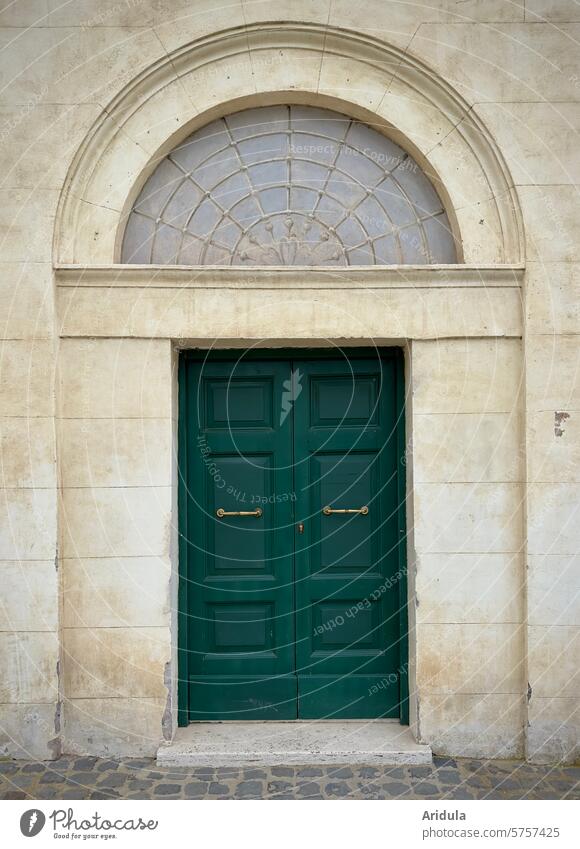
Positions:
{"x": 381, "y": 742}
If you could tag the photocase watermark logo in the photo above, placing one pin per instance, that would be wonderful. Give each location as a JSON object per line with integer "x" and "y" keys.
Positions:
{"x": 292, "y": 389}
{"x": 32, "y": 822}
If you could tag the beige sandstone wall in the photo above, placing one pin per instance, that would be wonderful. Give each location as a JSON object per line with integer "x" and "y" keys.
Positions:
{"x": 86, "y": 628}
{"x": 468, "y": 526}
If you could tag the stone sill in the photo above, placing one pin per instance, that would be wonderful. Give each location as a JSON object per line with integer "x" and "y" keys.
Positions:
{"x": 380, "y": 742}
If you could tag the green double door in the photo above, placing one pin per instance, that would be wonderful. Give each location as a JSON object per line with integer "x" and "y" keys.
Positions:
{"x": 292, "y": 600}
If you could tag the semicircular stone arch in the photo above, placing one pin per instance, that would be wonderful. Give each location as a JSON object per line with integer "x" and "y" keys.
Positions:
{"x": 288, "y": 185}
{"x": 170, "y": 99}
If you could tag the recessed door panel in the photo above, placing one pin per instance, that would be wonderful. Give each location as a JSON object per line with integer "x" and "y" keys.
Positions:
{"x": 234, "y": 403}
{"x": 242, "y": 628}
{"x": 238, "y": 545}
{"x": 350, "y": 400}
{"x": 345, "y": 543}
{"x": 345, "y": 623}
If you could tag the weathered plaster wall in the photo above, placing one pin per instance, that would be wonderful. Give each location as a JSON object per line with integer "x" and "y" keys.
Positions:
{"x": 468, "y": 528}
{"x": 497, "y": 402}
{"x": 116, "y": 437}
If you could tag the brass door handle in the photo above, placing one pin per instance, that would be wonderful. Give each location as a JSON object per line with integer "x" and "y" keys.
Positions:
{"x": 328, "y": 511}
{"x": 220, "y": 512}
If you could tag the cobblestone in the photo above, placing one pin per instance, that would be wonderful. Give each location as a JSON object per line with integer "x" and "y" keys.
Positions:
{"x": 196, "y": 788}
{"x": 94, "y": 778}
{"x": 426, "y": 789}
{"x": 85, "y": 763}
{"x": 338, "y": 788}
{"x": 217, "y": 789}
{"x": 250, "y": 788}
{"x": 310, "y": 788}
{"x": 309, "y": 772}
{"x": 396, "y": 788}
{"x": 167, "y": 789}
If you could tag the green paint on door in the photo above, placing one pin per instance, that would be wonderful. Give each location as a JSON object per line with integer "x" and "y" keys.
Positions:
{"x": 286, "y": 611}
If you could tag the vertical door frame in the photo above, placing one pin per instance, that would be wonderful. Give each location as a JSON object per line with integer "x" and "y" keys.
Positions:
{"x": 182, "y": 469}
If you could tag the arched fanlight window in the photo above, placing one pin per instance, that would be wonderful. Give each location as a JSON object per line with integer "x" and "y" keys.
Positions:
{"x": 288, "y": 185}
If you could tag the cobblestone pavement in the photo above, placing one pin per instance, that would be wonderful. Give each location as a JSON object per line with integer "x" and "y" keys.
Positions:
{"x": 94, "y": 778}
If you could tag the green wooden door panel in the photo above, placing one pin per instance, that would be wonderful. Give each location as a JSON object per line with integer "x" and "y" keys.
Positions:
{"x": 348, "y": 697}
{"x": 281, "y": 624}
{"x": 347, "y": 627}
{"x": 241, "y": 594}
{"x": 243, "y": 698}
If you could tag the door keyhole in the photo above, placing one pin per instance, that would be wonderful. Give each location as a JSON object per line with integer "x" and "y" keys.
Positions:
{"x": 301, "y": 527}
